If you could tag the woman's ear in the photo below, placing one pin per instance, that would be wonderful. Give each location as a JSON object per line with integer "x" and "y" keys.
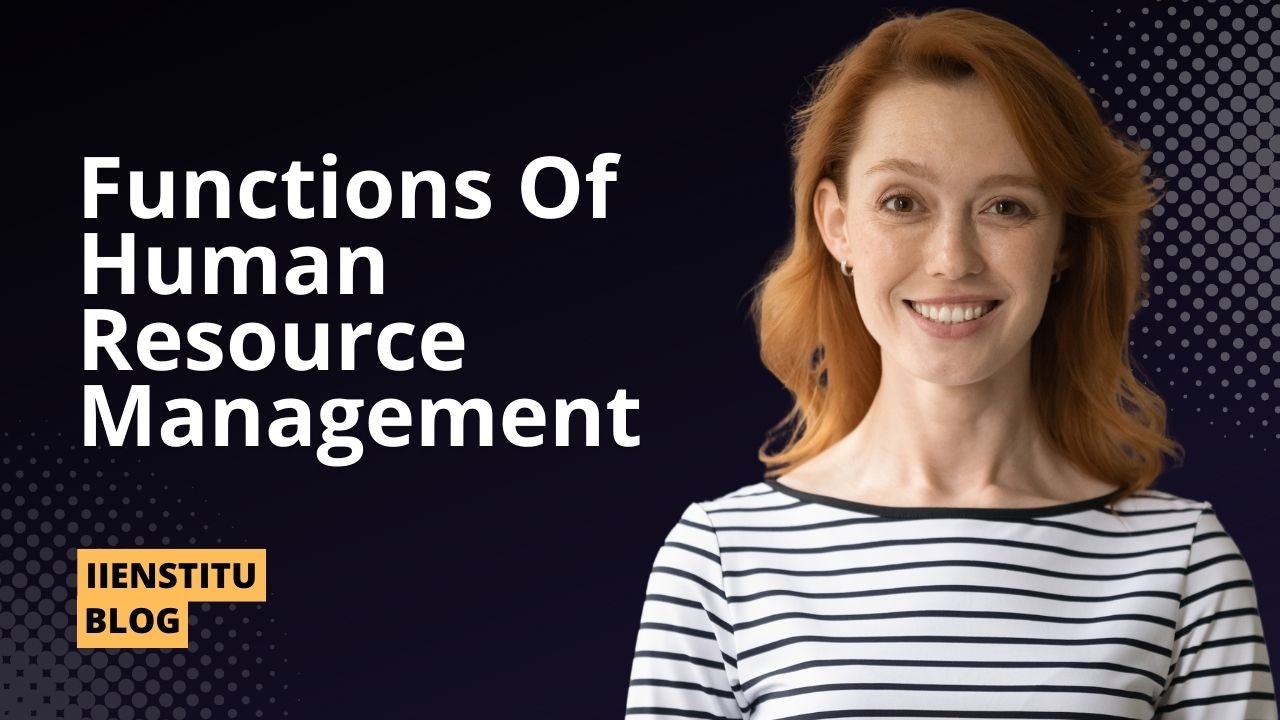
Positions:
{"x": 1062, "y": 260}
{"x": 829, "y": 213}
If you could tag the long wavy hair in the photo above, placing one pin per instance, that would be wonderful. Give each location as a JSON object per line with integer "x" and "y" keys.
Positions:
{"x": 1089, "y": 402}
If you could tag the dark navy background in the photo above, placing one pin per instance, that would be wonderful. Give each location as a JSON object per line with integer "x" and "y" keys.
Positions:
{"x": 435, "y": 581}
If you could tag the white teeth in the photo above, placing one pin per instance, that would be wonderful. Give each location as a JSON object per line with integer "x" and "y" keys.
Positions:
{"x": 950, "y": 314}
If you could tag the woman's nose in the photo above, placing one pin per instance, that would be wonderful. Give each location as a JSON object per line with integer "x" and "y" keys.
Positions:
{"x": 952, "y": 250}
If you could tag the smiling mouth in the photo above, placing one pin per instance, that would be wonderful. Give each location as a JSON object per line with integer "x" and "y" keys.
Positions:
{"x": 952, "y": 314}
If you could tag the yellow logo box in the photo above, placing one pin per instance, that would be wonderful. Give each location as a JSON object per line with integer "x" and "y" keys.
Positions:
{"x": 138, "y": 597}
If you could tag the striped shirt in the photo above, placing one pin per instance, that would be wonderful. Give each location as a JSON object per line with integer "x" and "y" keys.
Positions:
{"x": 770, "y": 602}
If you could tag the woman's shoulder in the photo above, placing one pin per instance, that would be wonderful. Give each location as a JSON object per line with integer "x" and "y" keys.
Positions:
{"x": 1156, "y": 500}
{"x": 744, "y": 496}
{"x": 743, "y": 492}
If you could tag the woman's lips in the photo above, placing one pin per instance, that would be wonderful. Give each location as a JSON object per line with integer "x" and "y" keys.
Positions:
{"x": 951, "y": 331}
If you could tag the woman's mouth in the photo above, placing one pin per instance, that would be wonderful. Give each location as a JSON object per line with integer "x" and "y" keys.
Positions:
{"x": 952, "y": 321}
{"x": 952, "y": 313}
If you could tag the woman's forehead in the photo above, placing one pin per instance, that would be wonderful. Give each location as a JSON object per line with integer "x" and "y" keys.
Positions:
{"x": 938, "y": 133}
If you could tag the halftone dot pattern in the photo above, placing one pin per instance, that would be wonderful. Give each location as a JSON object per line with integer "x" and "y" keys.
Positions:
{"x": 1195, "y": 84}
{"x": 55, "y": 497}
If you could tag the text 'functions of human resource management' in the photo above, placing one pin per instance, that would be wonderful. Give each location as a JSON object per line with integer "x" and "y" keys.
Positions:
{"x": 112, "y": 344}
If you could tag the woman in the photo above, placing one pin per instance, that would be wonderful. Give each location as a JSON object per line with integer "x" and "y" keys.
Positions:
{"x": 961, "y": 522}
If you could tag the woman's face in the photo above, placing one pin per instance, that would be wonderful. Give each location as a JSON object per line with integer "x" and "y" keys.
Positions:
{"x": 941, "y": 204}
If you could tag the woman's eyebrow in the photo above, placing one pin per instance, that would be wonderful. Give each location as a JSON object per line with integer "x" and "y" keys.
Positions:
{"x": 911, "y": 167}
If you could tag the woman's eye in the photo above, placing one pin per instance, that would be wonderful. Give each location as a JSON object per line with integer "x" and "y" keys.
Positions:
{"x": 899, "y": 203}
{"x": 1014, "y": 207}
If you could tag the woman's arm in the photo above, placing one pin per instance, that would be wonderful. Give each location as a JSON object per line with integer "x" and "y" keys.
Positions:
{"x": 684, "y": 664}
{"x": 1220, "y": 667}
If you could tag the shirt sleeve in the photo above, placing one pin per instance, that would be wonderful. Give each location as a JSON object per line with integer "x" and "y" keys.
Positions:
{"x": 684, "y": 664}
{"x": 1220, "y": 668}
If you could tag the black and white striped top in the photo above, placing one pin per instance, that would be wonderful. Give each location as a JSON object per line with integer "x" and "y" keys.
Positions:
{"x": 769, "y": 602}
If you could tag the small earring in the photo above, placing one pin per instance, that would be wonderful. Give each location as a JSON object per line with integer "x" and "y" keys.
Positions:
{"x": 845, "y": 269}
{"x": 1056, "y": 277}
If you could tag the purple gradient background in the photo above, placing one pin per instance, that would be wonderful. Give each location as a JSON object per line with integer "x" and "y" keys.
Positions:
{"x": 504, "y": 578}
